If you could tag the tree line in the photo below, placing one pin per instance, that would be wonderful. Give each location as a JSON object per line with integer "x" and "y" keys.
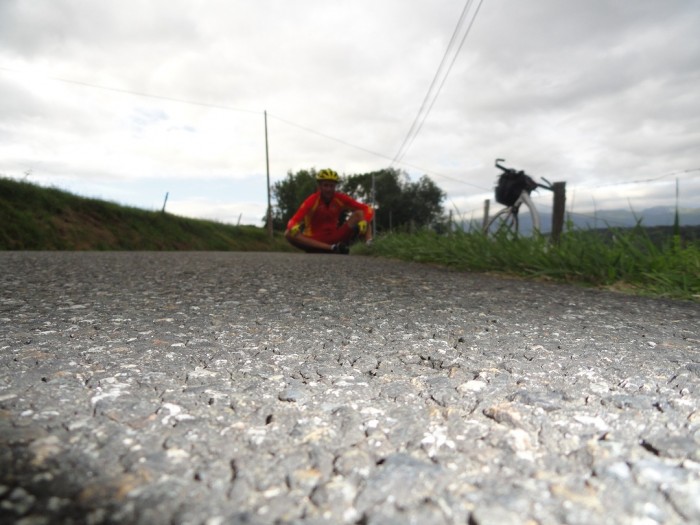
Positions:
{"x": 400, "y": 204}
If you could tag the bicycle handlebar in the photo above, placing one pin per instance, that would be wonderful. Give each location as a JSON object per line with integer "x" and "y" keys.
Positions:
{"x": 502, "y": 167}
{"x": 548, "y": 186}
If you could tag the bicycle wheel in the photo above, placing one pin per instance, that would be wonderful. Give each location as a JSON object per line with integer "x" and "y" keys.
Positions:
{"x": 505, "y": 222}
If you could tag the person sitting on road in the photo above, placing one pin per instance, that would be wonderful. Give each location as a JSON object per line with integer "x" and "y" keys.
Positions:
{"x": 316, "y": 226}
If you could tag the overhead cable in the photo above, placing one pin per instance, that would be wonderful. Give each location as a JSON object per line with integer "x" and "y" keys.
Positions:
{"x": 229, "y": 108}
{"x": 137, "y": 93}
{"x": 643, "y": 181}
{"x": 432, "y": 95}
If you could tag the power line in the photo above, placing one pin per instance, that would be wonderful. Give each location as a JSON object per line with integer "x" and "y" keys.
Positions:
{"x": 454, "y": 58}
{"x": 137, "y": 93}
{"x": 377, "y": 154}
{"x": 326, "y": 136}
{"x": 423, "y": 113}
{"x": 411, "y": 130}
{"x": 643, "y": 181}
{"x": 229, "y": 108}
{"x": 381, "y": 155}
{"x": 309, "y": 130}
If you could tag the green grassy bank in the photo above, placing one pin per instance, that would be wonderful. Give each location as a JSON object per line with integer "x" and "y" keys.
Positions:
{"x": 37, "y": 218}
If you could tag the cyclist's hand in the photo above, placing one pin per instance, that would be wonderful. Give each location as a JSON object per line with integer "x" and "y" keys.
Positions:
{"x": 295, "y": 230}
{"x": 362, "y": 227}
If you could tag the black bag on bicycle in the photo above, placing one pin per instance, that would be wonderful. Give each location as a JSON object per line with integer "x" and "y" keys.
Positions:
{"x": 511, "y": 184}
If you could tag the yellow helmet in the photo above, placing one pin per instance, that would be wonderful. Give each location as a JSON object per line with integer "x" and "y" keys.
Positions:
{"x": 327, "y": 174}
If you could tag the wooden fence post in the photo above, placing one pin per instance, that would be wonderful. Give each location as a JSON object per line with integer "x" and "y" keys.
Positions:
{"x": 487, "y": 204}
{"x": 558, "y": 208}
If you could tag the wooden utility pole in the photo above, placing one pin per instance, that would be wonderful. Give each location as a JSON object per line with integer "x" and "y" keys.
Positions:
{"x": 269, "y": 200}
{"x": 373, "y": 203}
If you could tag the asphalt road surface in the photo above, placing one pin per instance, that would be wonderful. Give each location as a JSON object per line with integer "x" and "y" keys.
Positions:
{"x": 226, "y": 388}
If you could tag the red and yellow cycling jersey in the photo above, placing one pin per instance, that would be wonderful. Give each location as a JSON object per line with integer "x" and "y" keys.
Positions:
{"x": 321, "y": 219}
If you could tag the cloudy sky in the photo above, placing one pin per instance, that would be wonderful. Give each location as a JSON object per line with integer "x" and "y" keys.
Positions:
{"x": 126, "y": 100}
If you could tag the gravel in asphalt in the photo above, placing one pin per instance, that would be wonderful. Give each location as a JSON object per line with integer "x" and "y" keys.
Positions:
{"x": 216, "y": 388}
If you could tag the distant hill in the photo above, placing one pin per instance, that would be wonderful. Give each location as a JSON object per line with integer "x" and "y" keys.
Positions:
{"x": 659, "y": 216}
{"x": 656, "y": 216}
{"x": 38, "y": 218}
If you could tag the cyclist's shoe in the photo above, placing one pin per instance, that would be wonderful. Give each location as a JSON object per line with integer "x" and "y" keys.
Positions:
{"x": 369, "y": 242}
{"x": 340, "y": 248}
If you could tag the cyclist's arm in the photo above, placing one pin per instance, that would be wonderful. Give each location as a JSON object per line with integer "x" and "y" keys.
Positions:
{"x": 353, "y": 205}
{"x": 303, "y": 211}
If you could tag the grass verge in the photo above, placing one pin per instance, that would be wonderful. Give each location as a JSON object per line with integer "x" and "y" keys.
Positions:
{"x": 625, "y": 260}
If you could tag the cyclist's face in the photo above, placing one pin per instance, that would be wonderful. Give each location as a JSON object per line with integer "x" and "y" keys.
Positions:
{"x": 327, "y": 188}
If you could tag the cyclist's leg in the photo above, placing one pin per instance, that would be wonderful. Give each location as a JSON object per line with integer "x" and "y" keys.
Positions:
{"x": 345, "y": 234}
{"x": 308, "y": 244}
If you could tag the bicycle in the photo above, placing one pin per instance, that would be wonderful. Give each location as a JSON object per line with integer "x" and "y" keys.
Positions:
{"x": 513, "y": 190}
